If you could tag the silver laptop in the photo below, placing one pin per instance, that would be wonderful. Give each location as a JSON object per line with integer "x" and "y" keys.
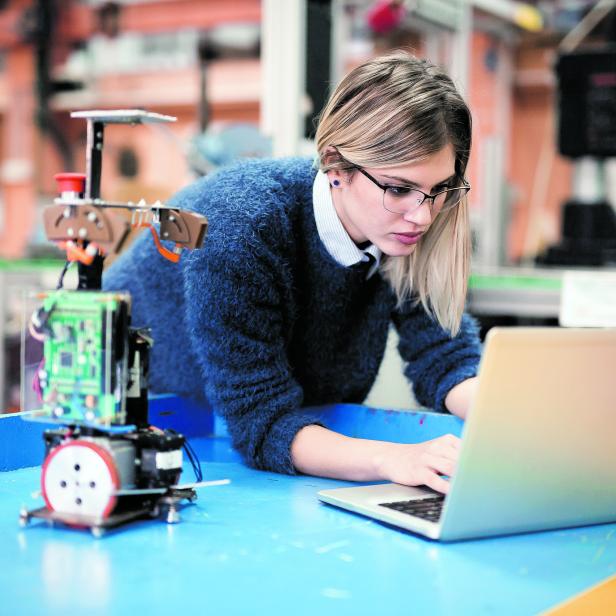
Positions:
{"x": 538, "y": 448}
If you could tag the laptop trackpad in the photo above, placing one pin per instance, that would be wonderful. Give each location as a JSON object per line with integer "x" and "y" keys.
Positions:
{"x": 379, "y": 493}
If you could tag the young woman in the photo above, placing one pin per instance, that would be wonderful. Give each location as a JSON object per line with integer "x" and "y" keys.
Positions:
{"x": 289, "y": 302}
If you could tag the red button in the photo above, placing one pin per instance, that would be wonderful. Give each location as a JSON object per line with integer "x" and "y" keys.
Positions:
{"x": 71, "y": 182}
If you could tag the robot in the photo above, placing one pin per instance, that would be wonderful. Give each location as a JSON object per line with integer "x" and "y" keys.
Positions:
{"x": 86, "y": 369}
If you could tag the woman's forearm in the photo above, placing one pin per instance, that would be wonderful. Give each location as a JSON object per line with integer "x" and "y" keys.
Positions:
{"x": 319, "y": 451}
{"x": 460, "y": 397}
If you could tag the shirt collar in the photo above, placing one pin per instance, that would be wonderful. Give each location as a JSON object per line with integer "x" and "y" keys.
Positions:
{"x": 331, "y": 231}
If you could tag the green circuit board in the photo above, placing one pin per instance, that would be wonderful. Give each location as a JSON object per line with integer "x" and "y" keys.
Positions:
{"x": 81, "y": 378}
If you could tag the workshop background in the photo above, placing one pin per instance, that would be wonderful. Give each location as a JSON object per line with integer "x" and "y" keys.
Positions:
{"x": 247, "y": 77}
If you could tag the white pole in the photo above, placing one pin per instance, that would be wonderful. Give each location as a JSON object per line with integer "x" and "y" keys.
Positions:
{"x": 283, "y": 53}
{"x": 460, "y": 49}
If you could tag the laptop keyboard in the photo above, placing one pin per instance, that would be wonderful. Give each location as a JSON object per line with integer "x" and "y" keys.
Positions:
{"x": 426, "y": 508}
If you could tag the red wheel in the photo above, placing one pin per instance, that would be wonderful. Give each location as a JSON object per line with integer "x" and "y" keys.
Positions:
{"x": 80, "y": 477}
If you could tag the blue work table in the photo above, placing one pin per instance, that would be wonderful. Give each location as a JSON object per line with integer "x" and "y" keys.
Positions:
{"x": 264, "y": 544}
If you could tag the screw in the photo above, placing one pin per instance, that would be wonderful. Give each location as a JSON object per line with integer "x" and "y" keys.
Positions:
{"x": 173, "y": 517}
{"x": 97, "y": 532}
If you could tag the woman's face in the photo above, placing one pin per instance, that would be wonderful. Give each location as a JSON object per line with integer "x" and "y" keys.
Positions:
{"x": 359, "y": 202}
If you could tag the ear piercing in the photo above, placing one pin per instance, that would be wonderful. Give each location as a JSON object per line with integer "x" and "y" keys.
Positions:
{"x": 336, "y": 183}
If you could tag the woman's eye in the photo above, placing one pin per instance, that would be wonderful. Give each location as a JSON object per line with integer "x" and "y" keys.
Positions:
{"x": 399, "y": 191}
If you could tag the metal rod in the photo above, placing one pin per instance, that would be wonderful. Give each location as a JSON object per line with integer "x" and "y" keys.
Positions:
{"x": 94, "y": 159}
{"x": 185, "y": 486}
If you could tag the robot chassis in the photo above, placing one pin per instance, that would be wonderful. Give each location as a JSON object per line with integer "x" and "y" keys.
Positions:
{"x": 104, "y": 464}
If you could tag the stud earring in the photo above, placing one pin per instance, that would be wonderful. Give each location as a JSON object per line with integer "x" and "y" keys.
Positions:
{"x": 336, "y": 183}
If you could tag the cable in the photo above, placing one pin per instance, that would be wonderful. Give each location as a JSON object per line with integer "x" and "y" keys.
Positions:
{"x": 36, "y": 381}
{"x": 36, "y": 335}
{"x": 67, "y": 264}
{"x": 194, "y": 461}
{"x": 174, "y": 257}
{"x": 37, "y": 326}
{"x": 191, "y": 455}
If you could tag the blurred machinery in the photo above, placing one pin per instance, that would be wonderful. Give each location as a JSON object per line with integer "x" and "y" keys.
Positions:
{"x": 86, "y": 369}
{"x": 36, "y": 38}
{"x": 215, "y": 146}
{"x": 587, "y": 134}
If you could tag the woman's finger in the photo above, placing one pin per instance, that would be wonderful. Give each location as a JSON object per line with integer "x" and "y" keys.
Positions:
{"x": 434, "y": 481}
{"x": 440, "y": 464}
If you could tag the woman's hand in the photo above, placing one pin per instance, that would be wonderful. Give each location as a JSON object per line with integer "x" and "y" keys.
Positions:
{"x": 322, "y": 452}
{"x": 421, "y": 463}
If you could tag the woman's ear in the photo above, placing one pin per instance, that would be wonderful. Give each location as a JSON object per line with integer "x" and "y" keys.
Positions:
{"x": 330, "y": 156}
{"x": 335, "y": 178}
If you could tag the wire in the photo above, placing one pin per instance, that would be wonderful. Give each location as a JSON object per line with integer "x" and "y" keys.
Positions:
{"x": 67, "y": 264}
{"x": 194, "y": 461}
{"x": 190, "y": 454}
{"x": 36, "y": 381}
{"x": 170, "y": 255}
{"x": 37, "y": 326}
{"x": 75, "y": 252}
{"x": 34, "y": 333}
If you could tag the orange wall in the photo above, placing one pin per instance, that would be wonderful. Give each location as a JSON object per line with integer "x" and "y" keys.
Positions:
{"x": 483, "y": 100}
{"x": 540, "y": 176}
{"x": 518, "y": 105}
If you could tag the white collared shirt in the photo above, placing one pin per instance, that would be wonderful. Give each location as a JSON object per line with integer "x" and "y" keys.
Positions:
{"x": 334, "y": 236}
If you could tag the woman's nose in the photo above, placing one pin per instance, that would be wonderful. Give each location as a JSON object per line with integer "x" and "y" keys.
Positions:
{"x": 421, "y": 216}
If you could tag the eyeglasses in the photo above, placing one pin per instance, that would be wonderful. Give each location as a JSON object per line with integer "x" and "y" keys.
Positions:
{"x": 400, "y": 199}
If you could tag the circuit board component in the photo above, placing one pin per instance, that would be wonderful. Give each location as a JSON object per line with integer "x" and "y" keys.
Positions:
{"x": 82, "y": 378}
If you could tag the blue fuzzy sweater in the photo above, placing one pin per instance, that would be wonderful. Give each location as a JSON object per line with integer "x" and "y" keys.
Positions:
{"x": 262, "y": 321}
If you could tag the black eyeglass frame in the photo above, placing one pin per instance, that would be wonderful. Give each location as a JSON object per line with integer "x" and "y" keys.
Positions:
{"x": 384, "y": 187}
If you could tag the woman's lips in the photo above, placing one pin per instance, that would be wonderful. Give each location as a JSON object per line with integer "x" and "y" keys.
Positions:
{"x": 408, "y": 238}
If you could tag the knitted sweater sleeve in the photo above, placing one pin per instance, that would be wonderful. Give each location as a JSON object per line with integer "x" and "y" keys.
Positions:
{"x": 435, "y": 361}
{"x": 235, "y": 289}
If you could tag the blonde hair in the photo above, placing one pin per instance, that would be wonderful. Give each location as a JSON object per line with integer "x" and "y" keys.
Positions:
{"x": 394, "y": 110}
